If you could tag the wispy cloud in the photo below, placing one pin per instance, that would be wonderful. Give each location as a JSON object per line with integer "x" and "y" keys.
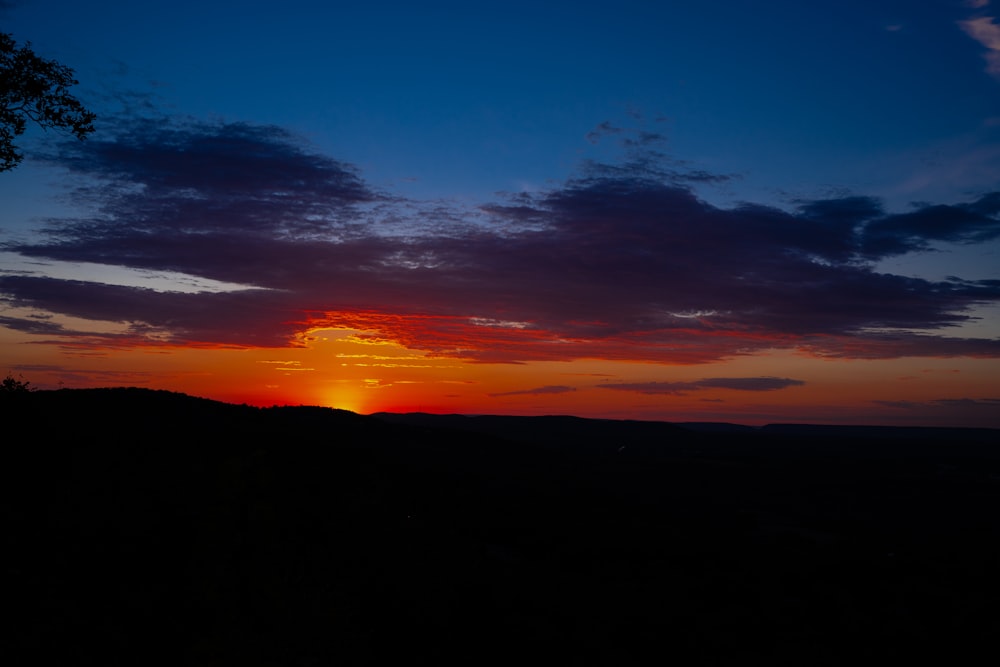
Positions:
{"x": 622, "y": 262}
{"x": 943, "y": 402}
{"x": 983, "y": 29}
{"x": 946, "y": 411}
{"x": 684, "y": 387}
{"x": 546, "y": 390}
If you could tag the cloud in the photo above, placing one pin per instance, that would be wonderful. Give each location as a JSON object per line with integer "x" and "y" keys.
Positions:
{"x": 750, "y": 383}
{"x": 549, "y": 389}
{"x": 622, "y": 262}
{"x": 157, "y": 176}
{"x": 634, "y": 140}
{"x": 987, "y": 33}
{"x": 604, "y": 129}
{"x": 983, "y": 30}
{"x": 682, "y": 388}
{"x": 969, "y": 402}
{"x": 902, "y": 405}
{"x": 946, "y": 402}
{"x": 970, "y": 223}
{"x": 948, "y": 411}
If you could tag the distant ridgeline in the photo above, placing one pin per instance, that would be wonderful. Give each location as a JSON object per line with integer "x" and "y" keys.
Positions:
{"x": 96, "y": 411}
{"x": 149, "y": 527}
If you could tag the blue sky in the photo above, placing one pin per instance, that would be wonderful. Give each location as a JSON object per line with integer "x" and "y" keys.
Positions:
{"x": 456, "y": 99}
{"x": 857, "y": 142}
{"x": 459, "y": 101}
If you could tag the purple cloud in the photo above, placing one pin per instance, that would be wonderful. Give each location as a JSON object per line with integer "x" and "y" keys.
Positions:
{"x": 946, "y": 411}
{"x": 623, "y": 262}
{"x": 974, "y": 222}
{"x": 159, "y": 177}
{"x": 681, "y": 388}
{"x": 749, "y": 383}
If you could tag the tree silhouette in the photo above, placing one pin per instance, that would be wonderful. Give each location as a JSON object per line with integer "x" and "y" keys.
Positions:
{"x": 12, "y": 385}
{"x": 36, "y": 89}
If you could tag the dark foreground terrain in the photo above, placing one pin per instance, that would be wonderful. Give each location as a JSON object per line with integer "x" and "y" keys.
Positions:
{"x": 147, "y": 528}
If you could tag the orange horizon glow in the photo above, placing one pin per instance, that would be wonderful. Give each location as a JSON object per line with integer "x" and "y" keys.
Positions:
{"x": 351, "y": 370}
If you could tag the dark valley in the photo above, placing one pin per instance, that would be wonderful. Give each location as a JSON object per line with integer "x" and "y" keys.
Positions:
{"x": 146, "y": 527}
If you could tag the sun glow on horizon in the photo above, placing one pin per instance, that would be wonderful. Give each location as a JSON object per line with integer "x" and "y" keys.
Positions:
{"x": 344, "y": 396}
{"x": 344, "y": 369}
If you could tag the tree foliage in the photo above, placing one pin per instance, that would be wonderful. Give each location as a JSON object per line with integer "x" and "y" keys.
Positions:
{"x": 35, "y": 89}
{"x": 13, "y": 385}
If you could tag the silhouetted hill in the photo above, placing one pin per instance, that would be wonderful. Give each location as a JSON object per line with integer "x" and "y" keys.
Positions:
{"x": 572, "y": 436}
{"x": 595, "y": 431}
{"x": 923, "y": 433}
{"x": 145, "y": 527}
{"x": 717, "y": 427}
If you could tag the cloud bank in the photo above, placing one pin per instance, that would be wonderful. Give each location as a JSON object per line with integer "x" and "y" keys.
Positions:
{"x": 623, "y": 261}
{"x": 683, "y": 388}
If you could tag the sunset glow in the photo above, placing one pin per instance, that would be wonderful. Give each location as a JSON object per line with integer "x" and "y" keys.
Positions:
{"x": 602, "y": 222}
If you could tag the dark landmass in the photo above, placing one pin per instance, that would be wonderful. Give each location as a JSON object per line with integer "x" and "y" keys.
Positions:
{"x": 147, "y": 528}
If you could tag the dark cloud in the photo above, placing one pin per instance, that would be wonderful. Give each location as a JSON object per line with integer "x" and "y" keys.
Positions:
{"x": 623, "y": 262}
{"x": 969, "y": 402}
{"x": 947, "y": 402}
{"x": 681, "y": 388}
{"x": 197, "y": 178}
{"x": 244, "y": 318}
{"x": 750, "y": 383}
{"x": 636, "y": 141}
{"x": 549, "y": 389}
{"x": 668, "y": 388}
{"x": 952, "y": 408}
{"x": 605, "y": 129}
{"x": 903, "y": 405}
{"x": 974, "y": 222}
{"x": 227, "y": 160}
{"x": 629, "y": 138}
{"x": 32, "y": 325}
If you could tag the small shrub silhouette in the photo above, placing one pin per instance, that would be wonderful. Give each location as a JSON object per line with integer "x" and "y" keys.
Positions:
{"x": 13, "y": 385}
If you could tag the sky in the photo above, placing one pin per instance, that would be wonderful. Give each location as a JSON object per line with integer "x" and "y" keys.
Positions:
{"x": 731, "y": 211}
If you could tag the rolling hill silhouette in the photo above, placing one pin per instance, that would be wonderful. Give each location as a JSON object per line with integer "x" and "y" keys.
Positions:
{"x": 148, "y": 527}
